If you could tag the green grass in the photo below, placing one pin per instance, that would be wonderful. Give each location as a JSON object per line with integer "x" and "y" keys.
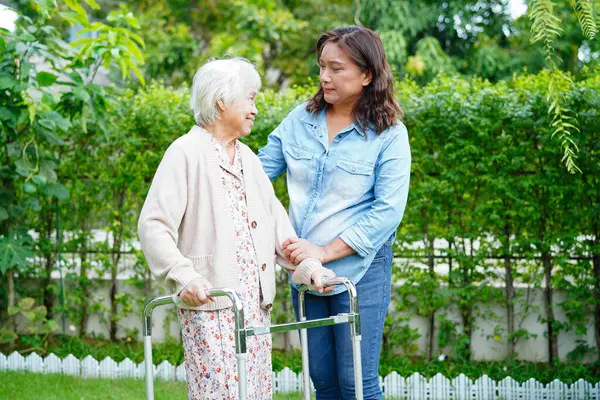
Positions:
{"x": 27, "y": 386}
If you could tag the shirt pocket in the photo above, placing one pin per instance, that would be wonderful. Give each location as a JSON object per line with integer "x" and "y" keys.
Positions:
{"x": 300, "y": 163}
{"x": 353, "y": 178}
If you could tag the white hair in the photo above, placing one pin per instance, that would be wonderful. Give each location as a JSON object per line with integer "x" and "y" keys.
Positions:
{"x": 226, "y": 80}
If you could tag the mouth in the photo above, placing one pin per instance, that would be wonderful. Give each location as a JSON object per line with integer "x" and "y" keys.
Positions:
{"x": 326, "y": 90}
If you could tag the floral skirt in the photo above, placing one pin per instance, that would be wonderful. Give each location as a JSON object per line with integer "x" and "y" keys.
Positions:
{"x": 209, "y": 351}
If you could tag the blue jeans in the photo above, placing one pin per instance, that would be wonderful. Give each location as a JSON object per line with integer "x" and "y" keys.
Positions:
{"x": 330, "y": 347}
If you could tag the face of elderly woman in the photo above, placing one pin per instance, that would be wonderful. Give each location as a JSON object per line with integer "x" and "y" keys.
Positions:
{"x": 238, "y": 116}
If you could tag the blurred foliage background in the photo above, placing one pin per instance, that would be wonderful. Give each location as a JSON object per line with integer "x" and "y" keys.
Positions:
{"x": 500, "y": 111}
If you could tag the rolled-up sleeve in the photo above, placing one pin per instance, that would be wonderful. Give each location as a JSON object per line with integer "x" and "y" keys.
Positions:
{"x": 392, "y": 177}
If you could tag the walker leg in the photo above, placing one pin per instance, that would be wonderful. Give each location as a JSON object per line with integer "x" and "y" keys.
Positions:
{"x": 356, "y": 355}
{"x": 149, "y": 367}
{"x": 355, "y": 335}
{"x": 304, "y": 345}
{"x": 242, "y": 378}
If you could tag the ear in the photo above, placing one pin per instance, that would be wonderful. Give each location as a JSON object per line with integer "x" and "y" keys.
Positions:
{"x": 221, "y": 104}
{"x": 368, "y": 78}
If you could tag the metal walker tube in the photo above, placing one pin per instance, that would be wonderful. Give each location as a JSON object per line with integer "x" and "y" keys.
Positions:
{"x": 355, "y": 335}
{"x": 242, "y": 333}
{"x": 240, "y": 338}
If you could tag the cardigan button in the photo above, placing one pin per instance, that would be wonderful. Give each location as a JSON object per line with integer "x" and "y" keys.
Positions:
{"x": 253, "y": 224}
{"x": 268, "y": 306}
{"x": 264, "y": 266}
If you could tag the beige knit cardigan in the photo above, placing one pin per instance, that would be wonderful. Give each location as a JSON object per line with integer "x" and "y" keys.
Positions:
{"x": 186, "y": 230}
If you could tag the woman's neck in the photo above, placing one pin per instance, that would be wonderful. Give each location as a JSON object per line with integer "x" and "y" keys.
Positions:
{"x": 341, "y": 111}
{"x": 221, "y": 133}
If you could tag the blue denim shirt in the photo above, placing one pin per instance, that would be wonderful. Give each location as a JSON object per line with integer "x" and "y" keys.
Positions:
{"x": 356, "y": 189}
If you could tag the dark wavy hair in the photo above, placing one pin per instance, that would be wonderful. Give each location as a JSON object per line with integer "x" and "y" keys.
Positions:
{"x": 377, "y": 105}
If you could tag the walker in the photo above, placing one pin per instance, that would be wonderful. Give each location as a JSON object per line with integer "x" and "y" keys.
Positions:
{"x": 241, "y": 333}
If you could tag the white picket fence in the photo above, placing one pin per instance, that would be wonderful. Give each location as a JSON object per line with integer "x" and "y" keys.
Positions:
{"x": 415, "y": 387}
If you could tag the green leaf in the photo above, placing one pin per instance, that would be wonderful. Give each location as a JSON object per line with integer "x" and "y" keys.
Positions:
{"x": 26, "y": 303}
{"x": 13, "y": 310}
{"x": 92, "y": 4}
{"x": 7, "y": 115}
{"x": 57, "y": 190}
{"x": 61, "y": 122}
{"x": 29, "y": 187}
{"x": 33, "y": 204}
{"x": 3, "y": 213}
{"x": 40, "y": 313}
{"x": 7, "y": 336}
{"x": 46, "y": 78}
{"x": 7, "y": 81}
{"x": 49, "y": 99}
{"x": 52, "y": 324}
{"x": 75, "y": 6}
{"x": 16, "y": 211}
{"x": 52, "y": 138}
{"x": 14, "y": 252}
{"x": 30, "y": 315}
{"x": 47, "y": 169}
{"x": 47, "y": 123}
{"x": 134, "y": 50}
{"x": 39, "y": 179}
{"x": 138, "y": 73}
{"x": 81, "y": 94}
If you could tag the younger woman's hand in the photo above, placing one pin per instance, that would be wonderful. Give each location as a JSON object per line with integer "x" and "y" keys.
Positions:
{"x": 297, "y": 250}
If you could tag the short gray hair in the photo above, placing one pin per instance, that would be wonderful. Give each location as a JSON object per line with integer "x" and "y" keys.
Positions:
{"x": 226, "y": 80}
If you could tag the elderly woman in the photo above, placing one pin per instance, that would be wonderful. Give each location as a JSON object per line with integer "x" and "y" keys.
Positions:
{"x": 211, "y": 218}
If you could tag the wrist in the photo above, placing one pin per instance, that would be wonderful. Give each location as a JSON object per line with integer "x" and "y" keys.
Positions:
{"x": 325, "y": 254}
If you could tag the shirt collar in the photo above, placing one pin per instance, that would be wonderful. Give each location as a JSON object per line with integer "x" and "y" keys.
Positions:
{"x": 316, "y": 119}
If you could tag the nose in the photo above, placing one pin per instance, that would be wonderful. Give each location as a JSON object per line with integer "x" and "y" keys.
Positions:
{"x": 325, "y": 75}
{"x": 254, "y": 110}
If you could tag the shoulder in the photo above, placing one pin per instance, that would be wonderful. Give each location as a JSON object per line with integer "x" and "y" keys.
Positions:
{"x": 192, "y": 143}
{"x": 301, "y": 113}
{"x": 395, "y": 132}
{"x": 395, "y": 140}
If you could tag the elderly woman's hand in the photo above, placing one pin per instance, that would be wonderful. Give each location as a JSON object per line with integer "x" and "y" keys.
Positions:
{"x": 195, "y": 293}
{"x": 297, "y": 250}
{"x": 318, "y": 279}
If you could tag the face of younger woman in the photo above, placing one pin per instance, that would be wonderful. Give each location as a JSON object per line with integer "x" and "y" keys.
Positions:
{"x": 341, "y": 79}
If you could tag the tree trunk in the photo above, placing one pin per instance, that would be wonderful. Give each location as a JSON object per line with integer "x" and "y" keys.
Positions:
{"x": 12, "y": 298}
{"x": 466, "y": 310}
{"x": 510, "y": 308}
{"x": 49, "y": 256}
{"x": 114, "y": 270}
{"x": 509, "y": 291}
{"x": 431, "y": 330}
{"x": 113, "y": 303}
{"x": 550, "y": 320}
{"x": 596, "y": 264}
{"x": 83, "y": 281}
{"x": 466, "y": 314}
